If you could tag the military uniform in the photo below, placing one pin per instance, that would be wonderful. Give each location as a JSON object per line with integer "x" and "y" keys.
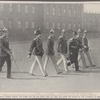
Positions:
{"x": 73, "y": 52}
{"x": 50, "y": 54}
{"x": 62, "y": 50}
{"x": 81, "y": 53}
{"x": 86, "y": 49}
{"x": 37, "y": 49}
{"x": 5, "y": 55}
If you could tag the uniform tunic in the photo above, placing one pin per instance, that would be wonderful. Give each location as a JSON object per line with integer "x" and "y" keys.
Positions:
{"x": 85, "y": 43}
{"x": 50, "y": 46}
{"x": 73, "y": 52}
{"x": 62, "y": 45}
{"x": 4, "y": 55}
{"x": 36, "y": 47}
{"x": 79, "y": 39}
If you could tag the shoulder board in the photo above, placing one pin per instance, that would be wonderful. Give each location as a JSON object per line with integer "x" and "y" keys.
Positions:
{"x": 70, "y": 39}
{"x": 49, "y": 37}
{"x": 60, "y": 37}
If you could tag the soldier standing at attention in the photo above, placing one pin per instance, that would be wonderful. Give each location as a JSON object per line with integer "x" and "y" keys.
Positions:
{"x": 50, "y": 53}
{"x": 37, "y": 49}
{"x": 81, "y": 53}
{"x": 5, "y": 51}
{"x": 62, "y": 50}
{"x": 73, "y": 51}
{"x": 86, "y": 48}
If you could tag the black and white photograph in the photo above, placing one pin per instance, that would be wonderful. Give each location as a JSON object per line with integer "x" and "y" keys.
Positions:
{"x": 49, "y": 49}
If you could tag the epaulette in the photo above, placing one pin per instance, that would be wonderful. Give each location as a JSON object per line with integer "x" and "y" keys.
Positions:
{"x": 60, "y": 37}
{"x": 70, "y": 39}
{"x": 49, "y": 37}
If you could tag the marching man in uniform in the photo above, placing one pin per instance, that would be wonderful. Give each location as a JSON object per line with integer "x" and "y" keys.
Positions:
{"x": 37, "y": 49}
{"x": 73, "y": 51}
{"x": 62, "y": 50}
{"x": 86, "y": 47}
{"x": 81, "y": 53}
{"x": 50, "y": 53}
{"x": 5, "y": 51}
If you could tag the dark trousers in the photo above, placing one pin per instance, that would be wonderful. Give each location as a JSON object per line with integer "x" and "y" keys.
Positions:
{"x": 6, "y": 59}
{"x": 74, "y": 59}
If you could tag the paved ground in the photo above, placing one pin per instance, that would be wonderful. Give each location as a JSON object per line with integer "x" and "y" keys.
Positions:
{"x": 88, "y": 80}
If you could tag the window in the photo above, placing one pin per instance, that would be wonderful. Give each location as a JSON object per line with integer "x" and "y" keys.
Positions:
{"x": 59, "y": 12}
{"x": 1, "y": 23}
{"x": 47, "y": 25}
{"x": 19, "y": 8}
{"x": 53, "y": 25}
{"x": 27, "y": 24}
{"x": 10, "y": 7}
{"x": 47, "y": 11}
{"x": 74, "y": 12}
{"x": 26, "y": 9}
{"x": 58, "y": 26}
{"x": 10, "y": 24}
{"x": 69, "y": 26}
{"x": 79, "y": 26}
{"x": 1, "y": 7}
{"x": 74, "y": 25}
{"x": 33, "y": 24}
{"x": 64, "y": 11}
{"x": 33, "y": 10}
{"x": 69, "y": 11}
{"x": 64, "y": 26}
{"x": 53, "y": 11}
{"x": 19, "y": 24}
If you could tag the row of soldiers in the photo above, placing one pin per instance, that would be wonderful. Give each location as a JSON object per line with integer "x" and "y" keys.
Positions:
{"x": 67, "y": 49}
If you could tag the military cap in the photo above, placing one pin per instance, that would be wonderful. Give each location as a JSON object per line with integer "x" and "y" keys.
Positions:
{"x": 79, "y": 30}
{"x": 51, "y": 31}
{"x": 63, "y": 30}
{"x": 85, "y": 31}
{"x": 36, "y": 32}
{"x": 4, "y": 29}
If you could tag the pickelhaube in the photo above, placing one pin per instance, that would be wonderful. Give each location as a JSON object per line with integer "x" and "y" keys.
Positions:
{"x": 36, "y": 32}
{"x": 79, "y": 30}
{"x": 63, "y": 30}
{"x": 4, "y": 29}
{"x": 85, "y": 31}
{"x": 51, "y": 31}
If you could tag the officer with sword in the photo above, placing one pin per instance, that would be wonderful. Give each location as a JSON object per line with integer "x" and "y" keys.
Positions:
{"x": 5, "y": 51}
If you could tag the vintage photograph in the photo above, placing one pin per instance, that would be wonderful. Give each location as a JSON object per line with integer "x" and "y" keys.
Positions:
{"x": 49, "y": 49}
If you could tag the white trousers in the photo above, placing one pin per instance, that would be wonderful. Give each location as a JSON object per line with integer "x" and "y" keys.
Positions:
{"x": 83, "y": 57}
{"x": 53, "y": 61}
{"x": 89, "y": 58}
{"x": 64, "y": 60}
{"x": 38, "y": 60}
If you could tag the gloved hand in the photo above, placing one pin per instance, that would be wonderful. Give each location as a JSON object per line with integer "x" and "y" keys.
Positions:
{"x": 29, "y": 56}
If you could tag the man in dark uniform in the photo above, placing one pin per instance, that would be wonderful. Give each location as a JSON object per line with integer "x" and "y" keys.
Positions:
{"x": 81, "y": 53}
{"x": 5, "y": 52}
{"x": 62, "y": 50}
{"x": 73, "y": 51}
{"x": 50, "y": 53}
{"x": 37, "y": 49}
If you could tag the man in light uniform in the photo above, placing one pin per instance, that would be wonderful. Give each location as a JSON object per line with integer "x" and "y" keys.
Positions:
{"x": 37, "y": 49}
{"x": 86, "y": 47}
{"x": 81, "y": 53}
